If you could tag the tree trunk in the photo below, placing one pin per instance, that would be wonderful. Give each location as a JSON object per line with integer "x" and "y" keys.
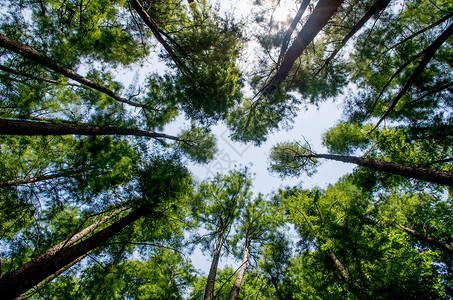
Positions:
{"x": 433, "y": 242}
{"x": 430, "y": 175}
{"x": 377, "y": 6}
{"x": 34, "y": 55}
{"x": 358, "y": 290}
{"x": 22, "y": 127}
{"x": 22, "y": 279}
{"x": 322, "y": 13}
{"x": 209, "y": 291}
{"x": 38, "y": 178}
{"x": 289, "y": 32}
{"x": 38, "y": 287}
{"x": 238, "y": 282}
{"x": 158, "y": 34}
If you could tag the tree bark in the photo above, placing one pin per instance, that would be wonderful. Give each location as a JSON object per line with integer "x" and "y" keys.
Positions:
{"x": 426, "y": 174}
{"x": 210, "y": 282}
{"x": 433, "y": 242}
{"x": 289, "y": 32}
{"x": 38, "y": 287}
{"x": 36, "y": 56}
{"x": 22, "y": 127}
{"x": 37, "y": 179}
{"x": 322, "y": 13}
{"x": 375, "y": 8}
{"x": 22, "y": 279}
{"x": 358, "y": 290}
{"x": 158, "y": 34}
{"x": 234, "y": 294}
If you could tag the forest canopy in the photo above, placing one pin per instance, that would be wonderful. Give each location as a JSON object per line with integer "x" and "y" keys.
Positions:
{"x": 99, "y": 198}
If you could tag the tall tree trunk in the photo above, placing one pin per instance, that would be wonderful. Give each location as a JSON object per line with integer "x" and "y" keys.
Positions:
{"x": 238, "y": 282}
{"x": 81, "y": 234}
{"x": 157, "y": 32}
{"x": 358, "y": 290}
{"x": 433, "y": 242}
{"x": 38, "y": 287}
{"x": 22, "y": 279}
{"x": 375, "y": 8}
{"x": 22, "y": 127}
{"x": 36, "y": 56}
{"x": 19, "y": 181}
{"x": 210, "y": 282}
{"x": 292, "y": 27}
{"x": 322, "y": 13}
{"x": 426, "y": 174}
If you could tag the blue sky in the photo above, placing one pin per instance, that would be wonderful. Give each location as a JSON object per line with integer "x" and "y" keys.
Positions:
{"x": 309, "y": 124}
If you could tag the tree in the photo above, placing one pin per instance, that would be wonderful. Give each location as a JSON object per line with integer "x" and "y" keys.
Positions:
{"x": 378, "y": 6}
{"x": 340, "y": 232}
{"x": 292, "y": 159}
{"x": 24, "y": 278}
{"x": 317, "y": 20}
{"x": 222, "y": 197}
{"x": 255, "y": 227}
{"x": 204, "y": 49}
{"x": 419, "y": 76}
{"x": 172, "y": 183}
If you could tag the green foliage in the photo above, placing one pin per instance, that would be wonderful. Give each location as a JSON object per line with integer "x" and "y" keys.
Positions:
{"x": 164, "y": 180}
{"x": 200, "y": 146}
{"x": 342, "y": 220}
{"x": 345, "y": 138}
{"x": 163, "y": 275}
{"x": 217, "y": 204}
{"x": 394, "y": 41}
{"x": 287, "y": 159}
{"x": 252, "y": 121}
{"x": 357, "y": 220}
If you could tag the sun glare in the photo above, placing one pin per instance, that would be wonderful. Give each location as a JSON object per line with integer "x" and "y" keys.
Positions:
{"x": 284, "y": 11}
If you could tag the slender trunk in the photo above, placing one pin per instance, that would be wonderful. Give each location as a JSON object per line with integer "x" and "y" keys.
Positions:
{"x": 158, "y": 34}
{"x": 291, "y": 28}
{"x": 38, "y": 178}
{"x": 433, "y": 242}
{"x": 428, "y": 55}
{"x": 210, "y": 282}
{"x": 234, "y": 294}
{"x": 426, "y": 174}
{"x": 377, "y": 6}
{"x": 322, "y": 13}
{"x": 38, "y": 287}
{"x": 22, "y": 127}
{"x": 32, "y": 273}
{"x": 358, "y": 290}
{"x": 81, "y": 234}
{"x": 34, "y": 55}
